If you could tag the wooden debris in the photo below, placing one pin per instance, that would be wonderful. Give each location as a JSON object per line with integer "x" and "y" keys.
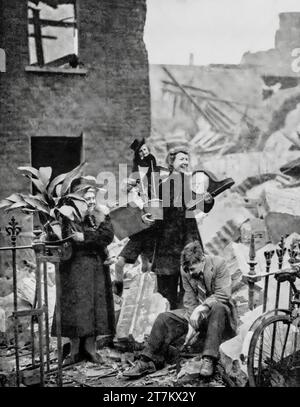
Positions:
{"x": 241, "y": 166}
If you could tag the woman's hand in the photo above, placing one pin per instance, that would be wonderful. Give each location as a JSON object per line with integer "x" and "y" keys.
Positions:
{"x": 146, "y": 219}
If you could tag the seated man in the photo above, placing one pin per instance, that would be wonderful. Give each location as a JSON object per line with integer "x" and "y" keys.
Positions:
{"x": 209, "y": 310}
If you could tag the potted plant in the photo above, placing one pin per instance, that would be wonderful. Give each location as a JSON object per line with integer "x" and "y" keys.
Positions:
{"x": 53, "y": 199}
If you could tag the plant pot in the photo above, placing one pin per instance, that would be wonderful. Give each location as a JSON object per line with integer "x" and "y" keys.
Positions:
{"x": 127, "y": 221}
{"x": 155, "y": 207}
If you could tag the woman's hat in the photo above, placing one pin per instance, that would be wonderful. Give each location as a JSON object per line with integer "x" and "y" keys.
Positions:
{"x": 86, "y": 183}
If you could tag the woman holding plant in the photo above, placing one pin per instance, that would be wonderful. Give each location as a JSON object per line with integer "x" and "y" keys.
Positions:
{"x": 87, "y": 308}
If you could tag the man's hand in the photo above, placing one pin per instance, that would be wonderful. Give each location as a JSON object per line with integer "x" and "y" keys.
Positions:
{"x": 78, "y": 237}
{"x": 197, "y": 315}
{"x": 191, "y": 337}
{"x": 146, "y": 219}
{"x": 208, "y": 198}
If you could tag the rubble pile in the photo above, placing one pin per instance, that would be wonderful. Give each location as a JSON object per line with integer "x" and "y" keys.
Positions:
{"x": 263, "y": 205}
{"x": 115, "y": 362}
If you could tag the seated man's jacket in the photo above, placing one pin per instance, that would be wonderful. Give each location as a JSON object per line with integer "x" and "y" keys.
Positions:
{"x": 217, "y": 281}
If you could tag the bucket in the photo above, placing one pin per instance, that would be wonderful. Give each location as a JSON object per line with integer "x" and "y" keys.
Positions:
{"x": 155, "y": 207}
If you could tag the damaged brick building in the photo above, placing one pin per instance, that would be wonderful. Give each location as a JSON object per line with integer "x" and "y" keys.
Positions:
{"x": 75, "y": 88}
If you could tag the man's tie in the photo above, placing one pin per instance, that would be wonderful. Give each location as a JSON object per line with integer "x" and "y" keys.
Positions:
{"x": 201, "y": 288}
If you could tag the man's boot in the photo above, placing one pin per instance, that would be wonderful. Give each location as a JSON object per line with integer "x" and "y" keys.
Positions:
{"x": 141, "y": 368}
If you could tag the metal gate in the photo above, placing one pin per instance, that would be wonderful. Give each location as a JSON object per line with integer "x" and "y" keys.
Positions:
{"x": 39, "y": 313}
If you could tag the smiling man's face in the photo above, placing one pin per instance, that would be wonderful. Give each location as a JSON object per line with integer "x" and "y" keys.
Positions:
{"x": 181, "y": 162}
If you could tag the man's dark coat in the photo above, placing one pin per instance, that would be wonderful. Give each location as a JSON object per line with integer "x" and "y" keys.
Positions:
{"x": 177, "y": 229}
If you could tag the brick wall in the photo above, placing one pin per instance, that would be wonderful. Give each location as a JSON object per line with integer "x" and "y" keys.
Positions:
{"x": 110, "y": 104}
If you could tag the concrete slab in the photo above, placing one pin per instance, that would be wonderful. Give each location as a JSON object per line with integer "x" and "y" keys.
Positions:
{"x": 228, "y": 213}
{"x": 141, "y": 305}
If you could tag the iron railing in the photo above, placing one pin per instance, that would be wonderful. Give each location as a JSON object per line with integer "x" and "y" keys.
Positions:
{"x": 39, "y": 311}
{"x": 252, "y": 277}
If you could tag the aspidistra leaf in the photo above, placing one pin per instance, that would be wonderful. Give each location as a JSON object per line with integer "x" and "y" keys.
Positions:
{"x": 81, "y": 208}
{"x": 39, "y": 185}
{"x": 36, "y": 204}
{"x": 67, "y": 211}
{"x": 58, "y": 190}
{"x": 5, "y": 203}
{"x": 45, "y": 174}
{"x": 15, "y": 198}
{"x": 70, "y": 177}
{"x": 56, "y": 229}
{"x": 57, "y": 180}
{"x": 29, "y": 171}
{"x": 18, "y": 205}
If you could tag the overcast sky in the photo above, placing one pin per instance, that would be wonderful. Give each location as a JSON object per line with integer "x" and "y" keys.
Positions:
{"x": 215, "y": 31}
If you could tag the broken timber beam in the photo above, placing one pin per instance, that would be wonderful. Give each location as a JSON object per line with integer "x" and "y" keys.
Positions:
{"x": 35, "y": 20}
{"x": 50, "y": 23}
{"x": 213, "y": 97}
{"x": 191, "y": 99}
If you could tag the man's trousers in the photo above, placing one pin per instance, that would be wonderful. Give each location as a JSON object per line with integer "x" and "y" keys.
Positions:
{"x": 170, "y": 326}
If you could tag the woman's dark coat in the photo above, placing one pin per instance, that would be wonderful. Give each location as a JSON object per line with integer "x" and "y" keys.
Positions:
{"x": 87, "y": 307}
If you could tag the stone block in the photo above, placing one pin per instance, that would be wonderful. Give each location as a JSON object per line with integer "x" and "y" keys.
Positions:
{"x": 7, "y": 364}
{"x": 190, "y": 370}
{"x": 8, "y": 379}
{"x": 6, "y": 286}
{"x": 31, "y": 377}
{"x": 282, "y": 212}
{"x": 141, "y": 305}
{"x": 257, "y": 228}
{"x": 222, "y": 224}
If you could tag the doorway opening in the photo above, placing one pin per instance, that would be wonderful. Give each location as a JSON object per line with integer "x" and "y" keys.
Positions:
{"x": 61, "y": 153}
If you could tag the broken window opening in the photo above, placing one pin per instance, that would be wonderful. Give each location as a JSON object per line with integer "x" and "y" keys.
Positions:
{"x": 53, "y": 33}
